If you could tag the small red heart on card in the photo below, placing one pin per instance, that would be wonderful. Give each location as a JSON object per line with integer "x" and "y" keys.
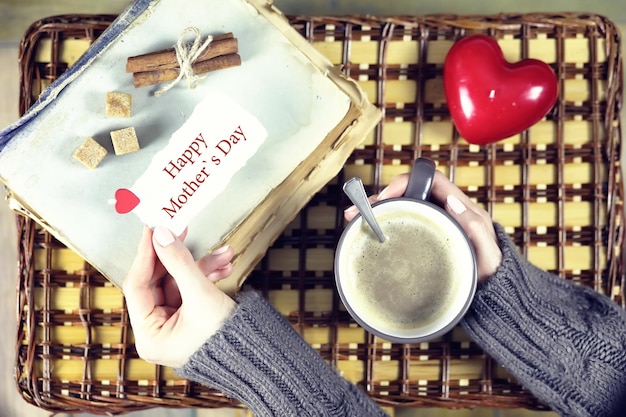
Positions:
{"x": 490, "y": 98}
{"x": 125, "y": 201}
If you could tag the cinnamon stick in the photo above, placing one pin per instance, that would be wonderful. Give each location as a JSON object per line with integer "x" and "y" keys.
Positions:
{"x": 221, "y": 45}
{"x": 146, "y": 78}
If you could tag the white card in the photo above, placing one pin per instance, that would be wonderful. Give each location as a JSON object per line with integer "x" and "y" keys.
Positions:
{"x": 195, "y": 166}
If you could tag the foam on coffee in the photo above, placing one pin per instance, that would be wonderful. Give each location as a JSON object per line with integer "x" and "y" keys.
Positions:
{"x": 411, "y": 288}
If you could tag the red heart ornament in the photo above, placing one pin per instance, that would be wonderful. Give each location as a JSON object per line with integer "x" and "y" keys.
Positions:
{"x": 490, "y": 98}
{"x": 125, "y": 201}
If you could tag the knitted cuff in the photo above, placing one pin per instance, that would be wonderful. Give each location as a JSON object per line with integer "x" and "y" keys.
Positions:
{"x": 565, "y": 343}
{"x": 258, "y": 359}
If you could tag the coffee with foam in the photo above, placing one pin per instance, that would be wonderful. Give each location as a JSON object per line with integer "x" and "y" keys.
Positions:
{"x": 417, "y": 282}
{"x": 414, "y": 269}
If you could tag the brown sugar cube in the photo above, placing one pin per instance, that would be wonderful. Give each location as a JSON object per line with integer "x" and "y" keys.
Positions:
{"x": 125, "y": 141}
{"x": 90, "y": 153}
{"x": 118, "y": 104}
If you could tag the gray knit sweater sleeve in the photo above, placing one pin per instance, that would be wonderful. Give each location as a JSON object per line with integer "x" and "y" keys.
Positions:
{"x": 258, "y": 359}
{"x": 564, "y": 342}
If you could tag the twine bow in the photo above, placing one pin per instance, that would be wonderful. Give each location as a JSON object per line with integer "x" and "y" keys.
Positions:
{"x": 186, "y": 54}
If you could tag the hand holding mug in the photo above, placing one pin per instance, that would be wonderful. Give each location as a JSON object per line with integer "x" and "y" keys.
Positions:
{"x": 419, "y": 282}
{"x": 173, "y": 302}
{"x": 475, "y": 221}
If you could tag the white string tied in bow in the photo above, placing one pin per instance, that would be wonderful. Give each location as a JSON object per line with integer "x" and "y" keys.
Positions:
{"x": 186, "y": 54}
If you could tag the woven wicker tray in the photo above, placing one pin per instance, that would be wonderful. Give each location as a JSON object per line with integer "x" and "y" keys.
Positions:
{"x": 557, "y": 188}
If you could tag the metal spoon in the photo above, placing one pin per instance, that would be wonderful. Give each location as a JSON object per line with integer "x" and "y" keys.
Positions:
{"x": 356, "y": 193}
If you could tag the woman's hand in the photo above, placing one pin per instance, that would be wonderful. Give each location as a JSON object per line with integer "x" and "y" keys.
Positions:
{"x": 172, "y": 300}
{"x": 475, "y": 221}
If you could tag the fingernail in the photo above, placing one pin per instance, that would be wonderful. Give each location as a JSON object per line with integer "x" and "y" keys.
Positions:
{"x": 220, "y": 250}
{"x": 455, "y": 204}
{"x": 350, "y": 209}
{"x": 163, "y": 236}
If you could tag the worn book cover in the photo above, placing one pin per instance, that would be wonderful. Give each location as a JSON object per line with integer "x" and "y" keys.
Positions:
{"x": 232, "y": 151}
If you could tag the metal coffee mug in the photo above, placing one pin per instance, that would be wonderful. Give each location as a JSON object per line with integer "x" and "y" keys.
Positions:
{"x": 375, "y": 304}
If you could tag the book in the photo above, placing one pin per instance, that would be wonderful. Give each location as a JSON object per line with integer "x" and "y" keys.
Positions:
{"x": 308, "y": 117}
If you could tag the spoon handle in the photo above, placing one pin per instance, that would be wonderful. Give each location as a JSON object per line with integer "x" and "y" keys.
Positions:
{"x": 356, "y": 193}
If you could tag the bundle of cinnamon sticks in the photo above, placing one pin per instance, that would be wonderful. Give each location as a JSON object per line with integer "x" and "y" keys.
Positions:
{"x": 162, "y": 66}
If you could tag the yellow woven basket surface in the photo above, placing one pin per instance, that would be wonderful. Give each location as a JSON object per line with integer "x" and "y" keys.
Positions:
{"x": 555, "y": 187}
